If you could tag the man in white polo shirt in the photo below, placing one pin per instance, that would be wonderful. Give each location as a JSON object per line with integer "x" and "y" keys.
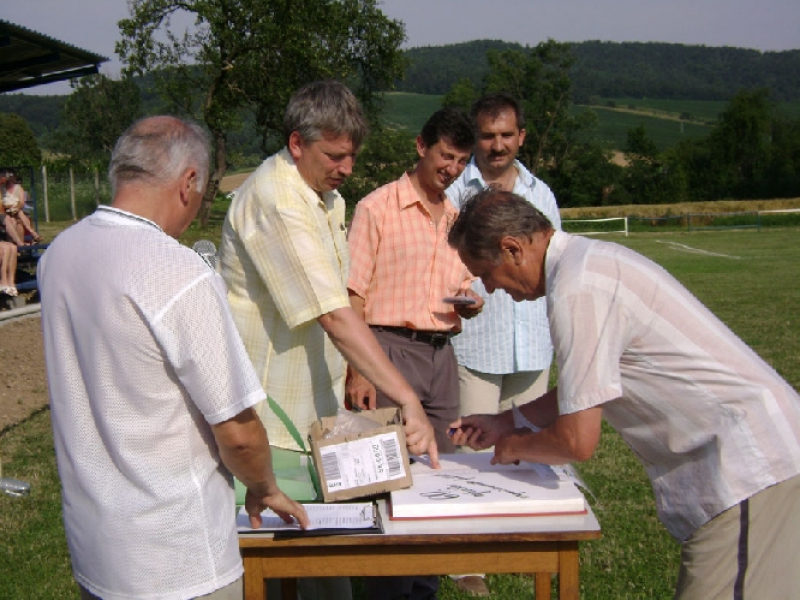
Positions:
{"x": 151, "y": 390}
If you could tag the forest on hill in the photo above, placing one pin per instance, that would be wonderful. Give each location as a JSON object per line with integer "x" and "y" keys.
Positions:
{"x": 622, "y": 70}
{"x": 601, "y": 70}
{"x": 725, "y": 123}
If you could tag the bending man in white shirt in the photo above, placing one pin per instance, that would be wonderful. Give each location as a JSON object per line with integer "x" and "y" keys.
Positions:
{"x": 717, "y": 429}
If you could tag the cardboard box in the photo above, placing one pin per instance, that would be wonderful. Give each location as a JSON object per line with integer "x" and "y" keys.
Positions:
{"x": 357, "y": 465}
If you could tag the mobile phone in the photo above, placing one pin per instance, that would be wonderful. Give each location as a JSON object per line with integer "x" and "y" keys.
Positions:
{"x": 466, "y": 300}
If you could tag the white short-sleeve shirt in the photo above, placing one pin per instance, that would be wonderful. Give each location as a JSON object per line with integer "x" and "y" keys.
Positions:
{"x": 142, "y": 356}
{"x": 710, "y": 420}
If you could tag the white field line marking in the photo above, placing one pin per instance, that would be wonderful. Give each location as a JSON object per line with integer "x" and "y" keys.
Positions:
{"x": 686, "y": 248}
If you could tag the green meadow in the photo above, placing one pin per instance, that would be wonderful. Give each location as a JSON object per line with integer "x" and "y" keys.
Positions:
{"x": 747, "y": 277}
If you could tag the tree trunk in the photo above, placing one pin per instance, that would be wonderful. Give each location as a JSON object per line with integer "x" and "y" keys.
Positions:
{"x": 216, "y": 175}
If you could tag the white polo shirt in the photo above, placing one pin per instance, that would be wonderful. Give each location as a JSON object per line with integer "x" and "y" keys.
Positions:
{"x": 710, "y": 420}
{"x": 142, "y": 355}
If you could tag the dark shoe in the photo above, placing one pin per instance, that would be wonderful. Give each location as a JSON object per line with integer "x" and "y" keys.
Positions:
{"x": 472, "y": 585}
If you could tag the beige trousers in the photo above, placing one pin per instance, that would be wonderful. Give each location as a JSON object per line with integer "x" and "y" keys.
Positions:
{"x": 749, "y": 552}
{"x": 487, "y": 393}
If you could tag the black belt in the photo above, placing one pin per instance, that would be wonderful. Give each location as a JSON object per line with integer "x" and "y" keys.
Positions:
{"x": 437, "y": 339}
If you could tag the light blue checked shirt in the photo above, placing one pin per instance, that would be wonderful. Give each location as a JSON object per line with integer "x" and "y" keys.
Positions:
{"x": 507, "y": 336}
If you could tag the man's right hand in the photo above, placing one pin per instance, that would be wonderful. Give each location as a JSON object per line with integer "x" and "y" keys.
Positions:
{"x": 359, "y": 392}
{"x": 420, "y": 438}
{"x": 284, "y": 507}
{"x": 479, "y": 432}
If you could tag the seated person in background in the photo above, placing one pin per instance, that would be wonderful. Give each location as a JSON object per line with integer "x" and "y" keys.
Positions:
{"x": 8, "y": 268}
{"x": 17, "y": 223}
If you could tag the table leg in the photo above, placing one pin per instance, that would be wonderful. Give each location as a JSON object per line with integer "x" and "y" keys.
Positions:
{"x": 255, "y": 586}
{"x": 542, "y": 582}
{"x": 568, "y": 575}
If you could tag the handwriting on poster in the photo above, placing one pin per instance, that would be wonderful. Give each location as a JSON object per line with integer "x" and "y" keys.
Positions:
{"x": 467, "y": 485}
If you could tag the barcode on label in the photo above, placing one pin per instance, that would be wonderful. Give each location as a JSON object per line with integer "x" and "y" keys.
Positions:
{"x": 392, "y": 453}
{"x": 330, "y": 466}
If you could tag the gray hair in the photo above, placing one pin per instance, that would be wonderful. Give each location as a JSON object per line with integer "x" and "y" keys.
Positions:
{"x": 325, "y": 107}
{"x": 159, "y": 150}
{"x": 489, "y": 216}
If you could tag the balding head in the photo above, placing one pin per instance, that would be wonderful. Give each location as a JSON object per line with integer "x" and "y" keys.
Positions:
{"x": 491, "y": 215}
{"x": 157, "y": 151}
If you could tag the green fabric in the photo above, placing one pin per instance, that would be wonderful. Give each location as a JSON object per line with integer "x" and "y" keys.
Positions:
{"x": 295, "y": 474}
{"x": 287, "y": 422}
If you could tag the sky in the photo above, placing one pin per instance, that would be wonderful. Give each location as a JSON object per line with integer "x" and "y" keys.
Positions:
{"x": 767, "y": 25}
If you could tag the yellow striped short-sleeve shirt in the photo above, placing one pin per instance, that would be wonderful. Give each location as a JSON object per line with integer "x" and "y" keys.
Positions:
{"x": 284, "y": 258}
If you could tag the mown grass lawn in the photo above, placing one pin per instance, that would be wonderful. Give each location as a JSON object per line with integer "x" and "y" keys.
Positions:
{"x": 750, "y": 279}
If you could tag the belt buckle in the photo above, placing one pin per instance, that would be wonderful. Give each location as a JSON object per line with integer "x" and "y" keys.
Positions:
{"x": 439, "y": 339}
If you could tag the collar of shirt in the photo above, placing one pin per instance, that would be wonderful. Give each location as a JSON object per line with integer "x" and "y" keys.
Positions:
{"x": 124, "y": 217}
{"x": 408, "y": 196}
{"x": 472, "y": 175}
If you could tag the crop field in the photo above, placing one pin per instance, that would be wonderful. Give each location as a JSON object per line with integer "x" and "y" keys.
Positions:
{"x": 749, "y": 278}
{"x": 660, "y": 118}
{"x": 613, "y": 126}
{"x": 410, "y": 111}
{"x": 698, "y": 110}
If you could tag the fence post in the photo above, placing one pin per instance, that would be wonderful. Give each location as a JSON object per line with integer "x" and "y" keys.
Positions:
{"x": 44, "y": 189}
{"x": 72, "y": 193}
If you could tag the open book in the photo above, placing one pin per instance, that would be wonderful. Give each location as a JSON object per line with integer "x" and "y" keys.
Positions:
{"x": 467, "y": 485}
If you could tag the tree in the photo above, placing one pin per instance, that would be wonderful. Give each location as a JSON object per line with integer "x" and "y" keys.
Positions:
{"x": 252, "y": 54}
{"x": 94, "y": 117}
{"x": 558, "y": 143}
{"x": 740, "y": 143}
{"x": 18, "y": 147}
{"x": 541, "y": 80}
{"x": 461, "y": 95}
{"x": 386, "y": 155}
{"x": 645, "y": 178}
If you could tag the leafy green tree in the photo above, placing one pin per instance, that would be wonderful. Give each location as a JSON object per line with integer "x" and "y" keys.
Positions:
{"x": 558, "y": 141}
{"x": 94, "y": 116}
{"x": 540, "y": 78}
{"x": 386, "y": 155}
{"x": 252, "y": 54}
{"x": 747, "y": 154}
{"x": 461, "y": 95}
{"x": 18, "y": 147}
{"x": 740, "y": 143}
{"x": 645, "y": 173}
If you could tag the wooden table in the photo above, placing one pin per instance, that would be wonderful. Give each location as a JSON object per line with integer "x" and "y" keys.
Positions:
{"x": 542, "y": 545}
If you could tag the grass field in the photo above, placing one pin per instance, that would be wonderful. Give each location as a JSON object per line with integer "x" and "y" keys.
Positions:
{"x": 748, "y": 278}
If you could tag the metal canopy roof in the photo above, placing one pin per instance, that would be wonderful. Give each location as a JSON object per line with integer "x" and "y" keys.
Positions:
{"x": 28, "y": 59}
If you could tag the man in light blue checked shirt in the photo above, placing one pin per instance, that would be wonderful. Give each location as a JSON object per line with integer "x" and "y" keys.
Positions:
{"x": 504, "y": 353}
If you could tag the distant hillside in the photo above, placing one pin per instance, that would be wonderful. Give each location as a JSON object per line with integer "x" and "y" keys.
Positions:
{"x": 629, "y": 69}
{"x": 603, "y": 71}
